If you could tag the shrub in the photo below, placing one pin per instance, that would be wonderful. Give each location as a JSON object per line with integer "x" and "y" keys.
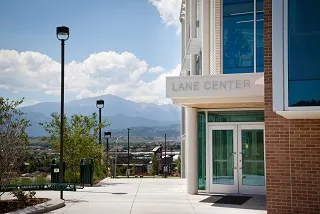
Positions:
{"x": 22, "y": 196}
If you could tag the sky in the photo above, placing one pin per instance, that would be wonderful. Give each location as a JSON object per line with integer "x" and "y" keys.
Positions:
{"x": 120, "y": 47}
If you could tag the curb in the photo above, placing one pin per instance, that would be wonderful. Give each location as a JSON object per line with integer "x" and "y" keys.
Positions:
{"x": 42, "y": 208}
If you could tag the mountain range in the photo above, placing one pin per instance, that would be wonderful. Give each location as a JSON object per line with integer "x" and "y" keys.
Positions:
{"x": 120, "y": 113}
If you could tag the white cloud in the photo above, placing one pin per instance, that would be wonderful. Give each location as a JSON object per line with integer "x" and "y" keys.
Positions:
{"x": 157, "y": 69}
{"x": 28, "y": 103}
{"x": 99, "y": 74}
{"x": 169, "y": 11}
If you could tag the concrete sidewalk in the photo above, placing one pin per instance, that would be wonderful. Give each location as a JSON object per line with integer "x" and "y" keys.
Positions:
{"x": 146, "y": 196}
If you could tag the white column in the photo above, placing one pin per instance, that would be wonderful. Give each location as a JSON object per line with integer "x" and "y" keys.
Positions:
{"x": 205, "y": 28}
{"x": 183, "y": 38}
{"x": 193, "y": 34}
{"x": 192, "y": 150}
{"x": 183, "y": 142}
{"x": 187, "y": 23}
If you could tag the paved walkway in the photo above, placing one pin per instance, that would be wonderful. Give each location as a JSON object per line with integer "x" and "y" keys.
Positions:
{"x": 146, "y": 196}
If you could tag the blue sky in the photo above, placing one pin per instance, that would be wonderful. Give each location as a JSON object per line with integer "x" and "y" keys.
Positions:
{"x": 133, "y": 40}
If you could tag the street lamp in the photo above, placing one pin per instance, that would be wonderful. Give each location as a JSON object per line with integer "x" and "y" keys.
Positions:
{"x": 107, "y": 136}
{"x": 100, "y": 105}
{"x": 62, "y": 35}
{"x": 165, "y": 155}
{"x": 128, "y": 152}
{"x": 115, "y": 162}
{"x": 161, "y": 165}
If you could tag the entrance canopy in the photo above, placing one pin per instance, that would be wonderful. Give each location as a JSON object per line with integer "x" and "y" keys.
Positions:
{"x": 216, "y": 91}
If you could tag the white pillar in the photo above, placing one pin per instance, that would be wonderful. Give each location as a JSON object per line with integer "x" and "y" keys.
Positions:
{"x": 187, "y": 24}
{"x": 183, "y": 142}
{"x": 205, "y": 22}
{"x": 193, "y": 34}
{"x": 192, "y": 150}
{"x": 183, "y": 39}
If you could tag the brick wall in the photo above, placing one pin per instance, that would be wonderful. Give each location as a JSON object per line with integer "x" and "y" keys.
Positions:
{"x": 292, "y": 149}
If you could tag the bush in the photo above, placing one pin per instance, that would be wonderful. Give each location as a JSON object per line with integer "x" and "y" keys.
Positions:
{"x": 41, "y": 179}
{"x": 22, "y": 196}
{"x": 134, "y": 170}
{"x": 72, "y": 177}
{"x": 123, "y": 170}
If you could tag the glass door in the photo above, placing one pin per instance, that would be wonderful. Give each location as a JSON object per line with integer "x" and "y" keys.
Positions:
{"x": 251, "y": 168}
{"x": 223, "y": 151}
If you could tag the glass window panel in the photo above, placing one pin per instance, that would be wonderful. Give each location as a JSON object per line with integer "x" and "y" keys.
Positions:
{"x": 253, "y": 158}
{"x": 260, "y": 42}
{"x": 201, "y": 150}
{"x": 238, "y": 37}
{"x": 304, "y": 93}
{"x": 236, "y": 116}
{"x": 222, "y": 147}
{"x": 303, "y": 53}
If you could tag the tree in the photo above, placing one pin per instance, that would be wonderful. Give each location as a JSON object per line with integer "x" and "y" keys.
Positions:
{"x": 178, "y": 163}
{"x": 80, "y": 141}
{"x": 134, "y": 169}
{"x": 13, "y": 139}
{"x": 154, "y": 165}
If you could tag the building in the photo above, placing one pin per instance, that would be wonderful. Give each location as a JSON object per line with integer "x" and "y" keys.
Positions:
{"x": 249, "y": 90}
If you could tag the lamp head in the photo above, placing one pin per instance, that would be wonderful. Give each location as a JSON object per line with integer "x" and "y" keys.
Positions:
{"x": 100, "y": 103}
{"x": 62, "y": 33}
{"x": 107, "y": 135}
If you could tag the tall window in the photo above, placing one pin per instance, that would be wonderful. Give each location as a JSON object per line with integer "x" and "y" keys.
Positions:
{"x": 243, "y": 36}
{"x": 303, "y": 53}
{"x": 199, "y": 64}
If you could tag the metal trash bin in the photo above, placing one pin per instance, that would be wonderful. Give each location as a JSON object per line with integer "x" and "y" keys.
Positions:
{"x": 86, "y": 171}
{"x": 55, "y": 171}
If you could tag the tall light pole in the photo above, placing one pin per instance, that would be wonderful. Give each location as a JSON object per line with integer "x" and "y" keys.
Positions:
{"x": 100, "y": 105}
{"x": 107, "y": 136}
{"x": 63, "y": 35}
{"x": 165, "y": 155}
{"x": 128, "y": 152}
{"x": 115, "y": 162}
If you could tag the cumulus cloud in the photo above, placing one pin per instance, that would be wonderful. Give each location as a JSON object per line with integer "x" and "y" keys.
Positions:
{"x": 101, "y": 73}
{"x": 169, "y": 11}
{"x": 157, "y": 69}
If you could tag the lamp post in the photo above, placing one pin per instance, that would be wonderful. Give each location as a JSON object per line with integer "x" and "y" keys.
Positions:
{"x": 62, "y": 35}
{"x": 165, "y": 155}
{"x": 107, "y": 136}
{"x": 115, "y": 162}
{"x": 128, "y": 152}
{"x": 100, "y": 105}
{"x": 161, "y": 165}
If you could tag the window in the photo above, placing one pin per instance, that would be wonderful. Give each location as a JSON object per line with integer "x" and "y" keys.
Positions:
{"x": 235, "y": 116}
{"x": 202, "y": 150}
{"x": 199, "y": 64}
{"x": 303, "y": 53}
{"x": 295, "y": 56}
{"x": 243, "y": 36}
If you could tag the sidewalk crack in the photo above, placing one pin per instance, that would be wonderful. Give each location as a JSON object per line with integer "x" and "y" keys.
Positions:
{"x": 135, "y": 196}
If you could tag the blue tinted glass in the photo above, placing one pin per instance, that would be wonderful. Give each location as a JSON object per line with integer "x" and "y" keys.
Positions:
{"x": 238, "y": 36}
{"x": 304, "y": 93}
{"x": 303, "y": 53}
{"x": 260, "y": 41}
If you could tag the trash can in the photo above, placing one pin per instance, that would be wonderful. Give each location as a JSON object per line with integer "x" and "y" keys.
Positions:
{"x": 86, "y": 171}
{"x": 55, "y": 171}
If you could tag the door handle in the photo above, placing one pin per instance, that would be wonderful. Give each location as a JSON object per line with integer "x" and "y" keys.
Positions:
{"x": 234, "y": 153}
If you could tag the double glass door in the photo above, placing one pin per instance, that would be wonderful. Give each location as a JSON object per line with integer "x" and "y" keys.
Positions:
{"x": 237, "y": 163}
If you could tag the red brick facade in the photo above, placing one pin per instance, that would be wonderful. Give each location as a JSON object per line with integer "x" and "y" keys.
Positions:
{"x": 292, "y": 149}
